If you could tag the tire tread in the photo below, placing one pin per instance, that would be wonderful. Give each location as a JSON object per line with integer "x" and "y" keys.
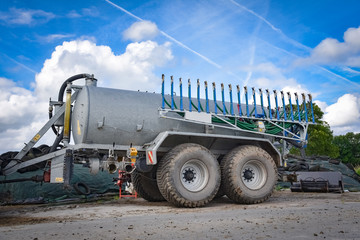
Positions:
{"x": 229, "y": 178}
{"x": 166, "y": 182}
{"x": 151, "y": 193}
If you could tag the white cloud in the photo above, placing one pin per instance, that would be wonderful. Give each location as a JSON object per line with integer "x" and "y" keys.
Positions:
{"x": 85, "y": 12}
{"x": 25, "y": 16}
{"x": 322, "y": 105}
{"x": 73, "y": 14}
{"x": 350, "y": 71}
{"x": 344, "y": 115}
{"x": 295, "y": 88}
{"x": 90, "y": 12}
{"x": 14, "y": 138}
{"x": 54, "y": 37}
{"x": 21, "y": 115}
{"x": 267, "y": 68}
{"x": 278, "y": 84}
{"x": 270, "y": 76}
{"x": 330, "y": 51}
{"x": 131, "y": 70}
{"x": 23, "y": 112}
{"x": 15, "y": 105}
{"x": 142, "y": 30}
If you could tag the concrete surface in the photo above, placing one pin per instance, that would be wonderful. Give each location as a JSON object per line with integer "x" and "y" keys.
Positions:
{"x": 285, "y": 216}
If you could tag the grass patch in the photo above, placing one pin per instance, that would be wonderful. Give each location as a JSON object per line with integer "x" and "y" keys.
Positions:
{"x": 357, "y": 169}
{"x": 282, "y": 186}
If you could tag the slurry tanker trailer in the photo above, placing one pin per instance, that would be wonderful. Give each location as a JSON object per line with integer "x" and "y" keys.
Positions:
{"x": 178, "y": 148}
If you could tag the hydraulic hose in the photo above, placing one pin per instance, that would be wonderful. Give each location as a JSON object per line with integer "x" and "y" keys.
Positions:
{"x": 295, "y": 143}
{"x": 57, "y": 142}
{"x": 53, "y": 126}
{"x": 36, "y": 178}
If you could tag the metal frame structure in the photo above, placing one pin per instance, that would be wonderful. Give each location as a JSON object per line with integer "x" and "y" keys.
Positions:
{"x": 294, "y": 129}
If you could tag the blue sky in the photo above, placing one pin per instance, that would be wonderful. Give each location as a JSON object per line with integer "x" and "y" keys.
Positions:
{"x": 302, "y": 46}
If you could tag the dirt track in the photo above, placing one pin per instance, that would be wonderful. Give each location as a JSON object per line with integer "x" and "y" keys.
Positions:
{"x": 285, "y": 216}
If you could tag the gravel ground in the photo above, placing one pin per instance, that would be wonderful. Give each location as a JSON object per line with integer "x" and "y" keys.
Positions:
{"x": 285, "y": 216}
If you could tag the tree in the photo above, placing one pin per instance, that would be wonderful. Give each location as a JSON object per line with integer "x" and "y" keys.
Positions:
{"x": 349, "y": 147}
{"x": 320, "y": 137}
{"x": 320, "y": 141}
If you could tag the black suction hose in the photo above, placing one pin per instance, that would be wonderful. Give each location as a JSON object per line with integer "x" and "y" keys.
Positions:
{"x": 60, "y": 99}
{"x": 69, "y": 80}
{"x": 62, "y": 91}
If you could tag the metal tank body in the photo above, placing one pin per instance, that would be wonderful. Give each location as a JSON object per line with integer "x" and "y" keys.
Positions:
{"x": 107, "y": 116}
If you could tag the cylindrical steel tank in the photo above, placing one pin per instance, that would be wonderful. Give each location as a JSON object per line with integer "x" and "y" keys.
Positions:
{"x": 107, "y": 116}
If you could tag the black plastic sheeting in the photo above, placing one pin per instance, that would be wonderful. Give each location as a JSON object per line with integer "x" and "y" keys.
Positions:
{"x": 33, "y": 192}
{"x": 322, "y": 163}
{"x": 102, "y": 183}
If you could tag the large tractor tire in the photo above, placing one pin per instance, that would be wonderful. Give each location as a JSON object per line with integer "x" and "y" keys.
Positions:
{"x": 249, "y": 174}
{"x": 189, "y": 176}
{"x": 146, "y": 186}
{"x": 221, "y": 191}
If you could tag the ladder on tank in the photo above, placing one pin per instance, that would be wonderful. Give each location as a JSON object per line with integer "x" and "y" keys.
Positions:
{"x": 289, "y": 122}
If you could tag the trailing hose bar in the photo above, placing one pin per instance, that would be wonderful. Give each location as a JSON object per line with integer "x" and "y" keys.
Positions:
{"x": 277, "y": 114}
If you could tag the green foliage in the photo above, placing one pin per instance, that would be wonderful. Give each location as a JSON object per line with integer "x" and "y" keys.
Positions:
{"x": 349, "y": 146}
{"x": 357, "y": 170}
{"x": 280, "y": 187}
{"x": 295, "y": 151}
{"x": 322, "y": 142}
{"x": 320, "y": 137}
{"x": 318, "y": 114}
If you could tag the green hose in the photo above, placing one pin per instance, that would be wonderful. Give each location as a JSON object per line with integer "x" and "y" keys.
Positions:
{"x": 250, "y": 126}
{"x": 222, "y": 109}
{"x": 201, "y": 108}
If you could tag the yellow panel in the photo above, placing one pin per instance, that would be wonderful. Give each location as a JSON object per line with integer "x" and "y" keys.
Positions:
{"x": 59, "y": 179}
{"x": 37, "y": 137}
{"x": 78, "y": 128}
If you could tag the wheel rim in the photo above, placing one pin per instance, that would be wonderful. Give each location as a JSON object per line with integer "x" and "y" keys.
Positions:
{"x": 194, "y": 175}
{"x": 253, "y": 174}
